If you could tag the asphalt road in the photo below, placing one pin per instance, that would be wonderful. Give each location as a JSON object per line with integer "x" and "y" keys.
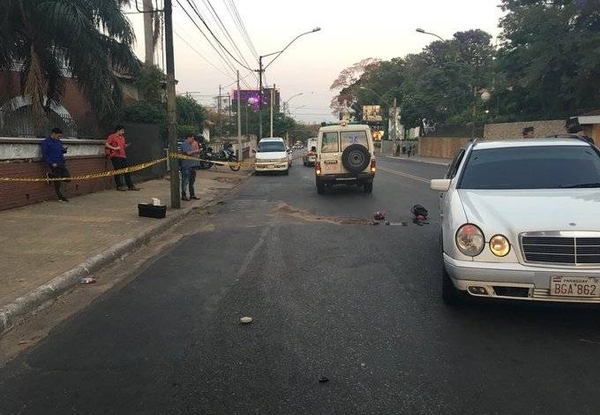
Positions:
{"x": 347, "y": 319}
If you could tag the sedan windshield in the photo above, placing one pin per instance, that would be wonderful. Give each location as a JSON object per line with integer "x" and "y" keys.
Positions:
{"x": 271, "y": 147}
{"x": 536, "y": 167}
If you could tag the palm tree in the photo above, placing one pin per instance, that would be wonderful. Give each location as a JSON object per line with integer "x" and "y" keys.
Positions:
{"x": 89, "y": 40}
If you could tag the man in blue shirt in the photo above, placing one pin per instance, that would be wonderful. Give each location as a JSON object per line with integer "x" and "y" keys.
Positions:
{"x": 53, "y": 154}
{"x": 188, "y": 168}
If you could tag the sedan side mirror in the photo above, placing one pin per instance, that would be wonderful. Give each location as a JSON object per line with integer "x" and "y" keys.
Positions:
{"x": 441, "y": 185}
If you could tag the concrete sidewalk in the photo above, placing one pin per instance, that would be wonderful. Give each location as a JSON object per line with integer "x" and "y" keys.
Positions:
{"x": 47, "y": 248}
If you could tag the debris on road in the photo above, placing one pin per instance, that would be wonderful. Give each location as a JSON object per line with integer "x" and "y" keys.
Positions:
{"x": 246, "y": 320}
{"x": 88, "y": 280}
{"x": 420, "y": 215}
{"x": 323, "y": 379}
{"x": 379, "y": 215}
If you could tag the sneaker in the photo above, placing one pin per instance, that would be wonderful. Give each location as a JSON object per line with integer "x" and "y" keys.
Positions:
{"x": 122, "y": 188}
{"x": 63, "y": 199}
{"x": 185, "y": 198}
{"x": 194, "y": 198}
{"x": 137, "y": 189}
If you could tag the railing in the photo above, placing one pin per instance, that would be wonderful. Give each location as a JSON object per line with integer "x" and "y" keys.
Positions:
{"x": 22, "y": 122}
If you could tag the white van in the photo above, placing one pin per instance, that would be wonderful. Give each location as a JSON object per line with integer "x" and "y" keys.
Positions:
{"x": 310, "y": 155}
{"x": 271, "y": 156}
{"x": 345, "y": 155}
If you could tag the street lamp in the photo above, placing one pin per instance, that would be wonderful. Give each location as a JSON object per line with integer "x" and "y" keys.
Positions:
{"x": 286, "y": 107}
{"x": 394, "y": 115}
{"x": 262, "y": 69}
{"x": 429, "y": 33}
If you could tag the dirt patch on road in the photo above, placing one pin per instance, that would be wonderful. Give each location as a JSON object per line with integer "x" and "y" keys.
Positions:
{"x": 228, "y": 179}
{"x": 301, "y": 214}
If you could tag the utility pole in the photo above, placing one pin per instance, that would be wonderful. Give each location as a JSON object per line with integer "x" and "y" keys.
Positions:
{"x": 260, "y": 96}
{"x": 239, "y": 120}
{"x": 171, "y": 105}
{"x": 148, "y": 32}
{"x": 272, "y": 89}
{"x": 394, "y": 126}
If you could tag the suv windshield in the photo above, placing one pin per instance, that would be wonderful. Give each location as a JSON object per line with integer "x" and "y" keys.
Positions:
{"x": 267, "y": 147}
{"x": 536, "y": 167}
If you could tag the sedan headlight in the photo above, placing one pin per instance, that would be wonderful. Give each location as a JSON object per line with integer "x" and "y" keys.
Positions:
{"x": 470, "y": 240}
{"x": 499, "y": 245}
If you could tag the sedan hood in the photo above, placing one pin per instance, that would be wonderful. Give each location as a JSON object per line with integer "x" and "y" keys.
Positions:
{"x": 533, "y": 210}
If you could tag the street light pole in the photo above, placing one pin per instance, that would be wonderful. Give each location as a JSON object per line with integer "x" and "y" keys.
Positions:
{"x": 261, "y": 71}
{"x": 286, "y": 107}
{"x": 429, "y": 33}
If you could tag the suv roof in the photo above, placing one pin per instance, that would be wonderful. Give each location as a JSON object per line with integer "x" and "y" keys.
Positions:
{"x": 271, "y": 139}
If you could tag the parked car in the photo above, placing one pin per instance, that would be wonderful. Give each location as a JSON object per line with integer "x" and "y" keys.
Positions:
{"x": 310, "y": 155}
{"x": 520, "y": 219}
{"x": 345, "y": 156}
{"x": 272, "y": 155}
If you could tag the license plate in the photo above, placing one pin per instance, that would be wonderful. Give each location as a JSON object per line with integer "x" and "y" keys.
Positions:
{"x": 575, "y": 286}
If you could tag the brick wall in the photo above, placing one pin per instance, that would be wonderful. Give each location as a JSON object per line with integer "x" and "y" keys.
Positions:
{"x": 16, "y": 194}
{"x": 507, "y": 130}
{"x": 441, "y": 147}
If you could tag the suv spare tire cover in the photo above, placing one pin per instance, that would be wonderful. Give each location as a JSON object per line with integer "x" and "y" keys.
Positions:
{"x": 356, "y": 158}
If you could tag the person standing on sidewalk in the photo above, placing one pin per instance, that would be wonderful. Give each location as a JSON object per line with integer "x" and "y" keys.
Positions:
{"x": 53, "y": 154}
{"x": 188, "y": 168}
{"x": 115, "y": 146}
{"x": 528, "y": 132}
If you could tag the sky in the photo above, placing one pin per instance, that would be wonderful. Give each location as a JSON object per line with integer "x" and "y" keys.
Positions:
{"x": 350, "y": 32}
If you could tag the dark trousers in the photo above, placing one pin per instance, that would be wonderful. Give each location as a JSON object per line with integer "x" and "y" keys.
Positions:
{"x": 121, "y": 163}
{"x": 55, "y": 172}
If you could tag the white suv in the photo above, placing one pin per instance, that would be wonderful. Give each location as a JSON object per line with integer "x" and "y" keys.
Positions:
{"x": 272, "y": 156}
{"x": 345, "y": 155}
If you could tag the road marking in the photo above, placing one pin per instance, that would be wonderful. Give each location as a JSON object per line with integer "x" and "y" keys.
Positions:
{"x": 399, "y": 173}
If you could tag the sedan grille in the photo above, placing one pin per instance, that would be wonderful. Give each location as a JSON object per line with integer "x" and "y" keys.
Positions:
{"x": 568, "y": 250}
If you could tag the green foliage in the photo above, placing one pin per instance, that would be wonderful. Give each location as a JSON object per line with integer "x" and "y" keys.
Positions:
{"x": 190, "y": 115}
{"x": 189, "y": 112}
{"x": 92, "y": 39}
{"x": 550, "y": 57}
{"x": 546, "y": 67}
{"x": 151, "y": 83}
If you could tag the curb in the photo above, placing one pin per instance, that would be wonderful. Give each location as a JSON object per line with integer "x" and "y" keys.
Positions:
{"x": 421, "y": 160}
{"x": 34, "y": 300}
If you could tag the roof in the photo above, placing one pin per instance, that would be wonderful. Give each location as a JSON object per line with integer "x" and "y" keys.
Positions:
{"x": 530, "y": 142}
{"x": 272, "y": 139}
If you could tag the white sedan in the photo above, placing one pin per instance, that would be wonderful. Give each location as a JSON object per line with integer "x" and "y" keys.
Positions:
{"x": 520, "y": 219}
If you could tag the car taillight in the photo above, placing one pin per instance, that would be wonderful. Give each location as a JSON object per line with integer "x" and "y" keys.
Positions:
{"x": 318, "y": 168}
{"x": 373, "y": 166}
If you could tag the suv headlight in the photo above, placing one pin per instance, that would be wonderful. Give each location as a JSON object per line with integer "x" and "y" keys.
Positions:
{"x": 470, "y": 240}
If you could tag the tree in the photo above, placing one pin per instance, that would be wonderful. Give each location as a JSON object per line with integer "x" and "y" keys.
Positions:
{"x": 90, "y": 40}
{"x": 550, "y": 57}
{"x": 345, "y": 81}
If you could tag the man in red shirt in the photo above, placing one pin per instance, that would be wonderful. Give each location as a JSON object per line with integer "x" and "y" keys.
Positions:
{"x": 115, "y": 150}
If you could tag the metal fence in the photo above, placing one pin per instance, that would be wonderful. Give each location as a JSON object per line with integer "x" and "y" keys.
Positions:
{"x": 22, "y": 122}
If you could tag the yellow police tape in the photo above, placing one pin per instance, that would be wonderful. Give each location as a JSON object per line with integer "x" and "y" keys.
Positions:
{"x": 124, "y": 170}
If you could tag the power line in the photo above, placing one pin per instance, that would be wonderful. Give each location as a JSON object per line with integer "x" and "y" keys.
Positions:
{"x": 224, "y": 29}
{"x": 206, "y": 37}
{"x": 215, "y": 37}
